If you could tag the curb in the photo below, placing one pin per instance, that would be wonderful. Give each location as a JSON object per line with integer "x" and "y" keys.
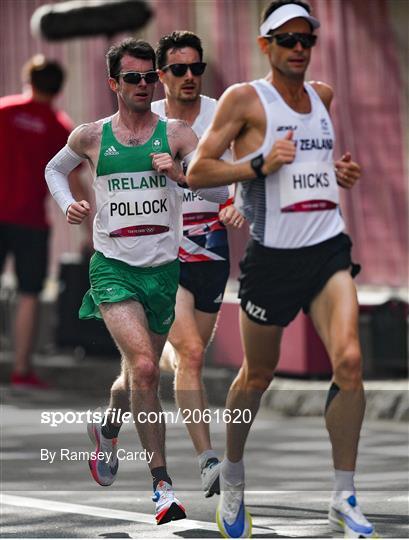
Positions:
{"x": 385, "y": 399}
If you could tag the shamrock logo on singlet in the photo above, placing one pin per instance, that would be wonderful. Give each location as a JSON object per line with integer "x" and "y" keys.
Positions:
{"x": 157, "y": 145}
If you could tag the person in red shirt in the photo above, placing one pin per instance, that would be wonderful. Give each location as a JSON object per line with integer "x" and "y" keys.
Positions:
{"x": 31, "y": 132}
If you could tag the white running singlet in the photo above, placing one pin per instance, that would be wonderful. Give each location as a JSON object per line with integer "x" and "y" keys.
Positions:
{"x": 298, "y": 205}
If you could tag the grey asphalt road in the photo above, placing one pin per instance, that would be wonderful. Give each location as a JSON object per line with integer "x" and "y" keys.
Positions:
{"x": 288, "y": 468}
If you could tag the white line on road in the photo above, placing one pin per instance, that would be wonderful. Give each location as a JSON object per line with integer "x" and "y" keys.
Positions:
{"x": 106, "y": 513}
{"x": 96, "y": 511}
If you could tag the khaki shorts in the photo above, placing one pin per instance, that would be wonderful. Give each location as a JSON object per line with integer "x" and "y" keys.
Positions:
{"x": 115, "y": 281}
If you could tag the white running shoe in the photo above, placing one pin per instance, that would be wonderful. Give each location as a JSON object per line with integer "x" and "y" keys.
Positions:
{"x": 103, "y": 470}
{"x": 168, "y": 508}
{"x": 345, "y": 515}
{"x": 232, "y": 517}
{"x": 210, "y": 477}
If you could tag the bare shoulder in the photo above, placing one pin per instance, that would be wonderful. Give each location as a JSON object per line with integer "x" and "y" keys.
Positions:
{"x": 182, "y": 138}
{"x": 239, "y": 94}
{"x": 180, "y": 130}
{"x": 86, "y": 137}
{"x": 324, "y": 90}
{"x": 178, "y": 127}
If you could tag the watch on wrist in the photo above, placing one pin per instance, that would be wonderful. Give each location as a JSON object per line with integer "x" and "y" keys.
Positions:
{"x": 256, "y": 164}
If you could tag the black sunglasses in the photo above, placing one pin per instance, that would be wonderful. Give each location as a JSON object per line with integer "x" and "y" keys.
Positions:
{"x": 134, "y": 77}
{"x": 179, "y": 70}
{"x": 290, "y": 39}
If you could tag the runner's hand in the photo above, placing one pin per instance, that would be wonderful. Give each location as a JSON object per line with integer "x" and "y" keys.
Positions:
{"x": 282, "y": 152}
{"x": 77, "y": 212}
{"x": 347, "y": 171}
{"x": 230, "y": 216}
{"x": 164, "y": 163}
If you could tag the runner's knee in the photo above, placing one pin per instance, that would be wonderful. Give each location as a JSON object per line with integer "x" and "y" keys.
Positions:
{"x": 191, "y": 356}
{"x": 255, "y": 378}
{"x": 348, "y": 368}
{"x": 144, "y": 374}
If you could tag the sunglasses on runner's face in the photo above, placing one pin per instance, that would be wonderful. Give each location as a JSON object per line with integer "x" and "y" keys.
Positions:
{"x": 179, "y": 70}
{"x": 135, "y": 77}
{"x": 290, "y": 39}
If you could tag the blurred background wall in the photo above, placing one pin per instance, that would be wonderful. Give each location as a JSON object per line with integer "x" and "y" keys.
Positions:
{"x": 363, "y": 52}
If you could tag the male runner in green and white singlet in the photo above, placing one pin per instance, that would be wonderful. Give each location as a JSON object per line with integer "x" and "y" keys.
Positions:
{"x": 134, "y": 273}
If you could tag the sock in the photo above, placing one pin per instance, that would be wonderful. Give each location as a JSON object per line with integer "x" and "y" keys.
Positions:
{"x": 344, "y": 481}
{"x": 158, "y": 474}
{"x": 110, "y": 431}
{"x": 205, "y": 456}
{"x": 233, "y": 472}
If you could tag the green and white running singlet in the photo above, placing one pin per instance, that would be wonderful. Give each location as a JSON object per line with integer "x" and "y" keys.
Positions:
{"x": 137, "y": 230}
{"x": 139, "y": 211}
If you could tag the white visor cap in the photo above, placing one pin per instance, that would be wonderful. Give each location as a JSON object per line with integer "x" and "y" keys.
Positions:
{"x": 286, "y": 13}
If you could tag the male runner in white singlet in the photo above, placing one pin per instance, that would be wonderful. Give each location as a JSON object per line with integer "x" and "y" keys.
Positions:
{"x": 134, "y": 273}
{"x": 204, "y": 253}
{"x": 298, "y": 256}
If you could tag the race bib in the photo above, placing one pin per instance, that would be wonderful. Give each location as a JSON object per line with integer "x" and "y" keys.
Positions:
{"x": 308, "y": 187}
{"x": 198, "y": 210}
{"x": 139, "y": 214}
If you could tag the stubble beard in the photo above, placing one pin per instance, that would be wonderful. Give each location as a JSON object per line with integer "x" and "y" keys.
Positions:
{"x": 188, "y": 99}
{"x": 137, "y": 107}
{"x": 294, "y": 76}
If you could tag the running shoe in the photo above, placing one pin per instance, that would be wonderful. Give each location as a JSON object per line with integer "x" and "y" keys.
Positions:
{"x": 232, "y": 517}
{"x": 210, "y": 477}
{"x": 29, "y": 381}
{"x": 168, "y": 508}
{"x": 345, "y": 515}
{"x": 103, "y": 470}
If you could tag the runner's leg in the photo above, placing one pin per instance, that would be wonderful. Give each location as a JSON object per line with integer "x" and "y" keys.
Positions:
{"x": 261, "y": 344}
{"x": 335, "y": 315}
{"x": 141, "y": 348}
{"x": 189, "y": 336}
{"x": 120, "y": 395}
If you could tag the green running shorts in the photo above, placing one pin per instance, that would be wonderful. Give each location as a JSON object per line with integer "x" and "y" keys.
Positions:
{"x": 115, "y": 281}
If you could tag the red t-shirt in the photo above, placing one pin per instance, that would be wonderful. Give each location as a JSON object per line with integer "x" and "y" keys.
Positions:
{"x": 31, "y": 133}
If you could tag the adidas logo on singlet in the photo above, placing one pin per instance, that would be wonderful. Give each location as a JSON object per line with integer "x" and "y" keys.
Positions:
{"x": 111, "y": 151}
{"x": 219, "y": 299}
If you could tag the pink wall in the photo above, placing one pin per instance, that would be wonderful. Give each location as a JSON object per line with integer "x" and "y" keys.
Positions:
{"x": 358, "y": 56}
{"x": 352, "y": 55}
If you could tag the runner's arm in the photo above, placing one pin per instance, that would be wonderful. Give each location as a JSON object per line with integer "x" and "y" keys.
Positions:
{"x": 207, "y": 169}
{"x": 218, "y": 194}
{"x": 58, "y": 169}
{"x": 56, "y": 175}
{"x": 234, "y": 115}
{"x": 183, "y": 142}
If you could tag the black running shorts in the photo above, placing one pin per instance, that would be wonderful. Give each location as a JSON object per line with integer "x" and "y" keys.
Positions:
{"x": 276, "y": 283}
{"x": 206, "y": 281}
{"x": 29, "y": 248}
